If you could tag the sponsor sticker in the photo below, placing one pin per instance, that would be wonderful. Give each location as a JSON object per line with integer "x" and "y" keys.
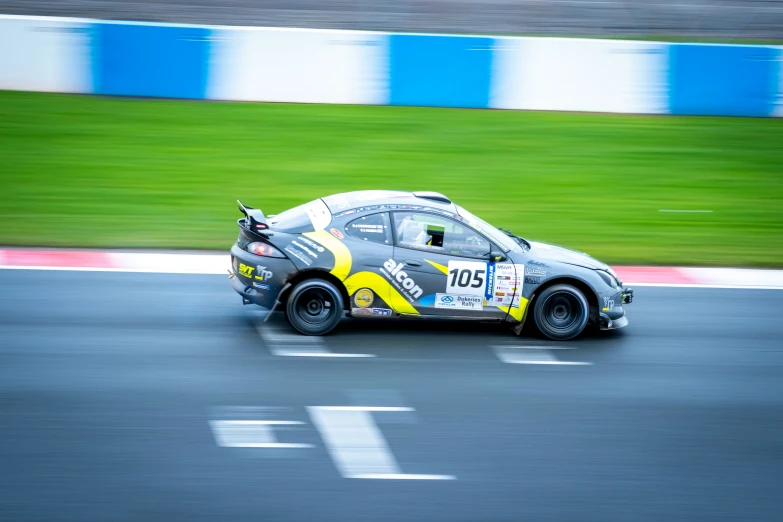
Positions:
{"x": 508, "y": 284}
{"x": 361, "y": 312}
{"x": 363, "y": 298}
{"x": 462, "y": 302}
{"x": 245, "y": 270}
{"x": 490, "y": 281}
{"x": 401, "y": 280}
{"x": 336, "y": 233}
{"x": 299, "y": 255}
{"x": 262, "y": 286}
{"x": 312, "y": 244}
{"x": 381, "y": 311}
{"x": 536, "y": 269}
{"x": 262, "y": 273}
{"x": 305, "y": 249}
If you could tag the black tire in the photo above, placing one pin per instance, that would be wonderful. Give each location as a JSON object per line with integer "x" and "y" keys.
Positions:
{"x": 561, "y": 312}
{"x": 314, "y": 307}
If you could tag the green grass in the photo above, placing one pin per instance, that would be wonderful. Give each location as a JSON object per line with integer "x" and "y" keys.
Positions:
{"x": 93, "y": 172}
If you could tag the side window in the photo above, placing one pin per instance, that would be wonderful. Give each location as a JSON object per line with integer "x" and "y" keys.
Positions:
{"x": 438, "y": 234}
{"x": 374, "y": 228}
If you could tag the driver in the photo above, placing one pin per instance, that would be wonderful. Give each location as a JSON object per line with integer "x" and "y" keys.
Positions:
{"x": 413, "y": 233}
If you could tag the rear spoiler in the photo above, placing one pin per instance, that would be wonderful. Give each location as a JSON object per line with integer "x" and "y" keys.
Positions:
{"x": 255, "y": 220}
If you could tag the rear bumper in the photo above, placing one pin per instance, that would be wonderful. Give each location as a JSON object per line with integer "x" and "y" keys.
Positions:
{"x": 251, "y": 295}
{"x": 259, "y": 279}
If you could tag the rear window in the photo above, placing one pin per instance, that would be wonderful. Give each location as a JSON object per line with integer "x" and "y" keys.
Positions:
{"x": 311, "y": 216}
{"x": 373, "y": 228}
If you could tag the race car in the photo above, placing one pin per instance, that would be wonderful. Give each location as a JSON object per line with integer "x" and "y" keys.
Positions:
{"x": 390, "y": 254}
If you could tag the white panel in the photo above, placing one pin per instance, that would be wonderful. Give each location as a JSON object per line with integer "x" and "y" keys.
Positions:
{"x": 297, "y": 65}
{"x": 45, "y": 54}
{"x": 777, "y": 110}
{"x": 567, "y": 74}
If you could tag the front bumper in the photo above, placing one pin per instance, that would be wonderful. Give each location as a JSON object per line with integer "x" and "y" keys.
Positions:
{"x": 612, "y": 315}
{"x": 612, "y": 324}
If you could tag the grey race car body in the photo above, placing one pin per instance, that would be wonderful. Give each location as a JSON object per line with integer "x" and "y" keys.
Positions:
{"x": 393, "y": 254}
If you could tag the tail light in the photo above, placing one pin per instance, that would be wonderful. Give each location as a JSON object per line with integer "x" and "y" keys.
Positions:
{"x": 263, "y": 249}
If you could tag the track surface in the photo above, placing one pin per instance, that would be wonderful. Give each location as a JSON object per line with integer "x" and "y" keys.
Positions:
{"x": 109, "y": 381}
{"x": 724, "y": 18}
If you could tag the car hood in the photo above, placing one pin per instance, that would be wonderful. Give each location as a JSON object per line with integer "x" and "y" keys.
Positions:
{"x": 545, "y": 251}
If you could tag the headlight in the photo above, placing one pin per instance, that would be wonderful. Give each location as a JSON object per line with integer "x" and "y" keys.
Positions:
{"x": 609, "y": 279}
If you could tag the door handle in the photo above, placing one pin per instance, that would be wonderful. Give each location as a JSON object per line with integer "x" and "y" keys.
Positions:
{"x": 409, "y": 262}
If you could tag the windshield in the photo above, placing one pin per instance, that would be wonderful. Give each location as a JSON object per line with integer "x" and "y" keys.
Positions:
{"x": 505, "y": 242}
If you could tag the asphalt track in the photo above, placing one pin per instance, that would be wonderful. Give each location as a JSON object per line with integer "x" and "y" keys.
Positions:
{"x": 111, "y": 385}
{"x": 724, "y": 18}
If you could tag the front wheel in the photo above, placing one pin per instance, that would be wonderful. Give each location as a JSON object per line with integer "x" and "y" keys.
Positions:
{"x": 314, "y": 307}
{"x": 561, "y": 312}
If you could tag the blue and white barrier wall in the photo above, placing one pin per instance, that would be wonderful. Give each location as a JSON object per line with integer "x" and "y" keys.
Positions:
{"x": 355, "y": 67}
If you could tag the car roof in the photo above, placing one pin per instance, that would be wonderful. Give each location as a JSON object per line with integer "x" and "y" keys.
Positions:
{"x": 396, "y": 198}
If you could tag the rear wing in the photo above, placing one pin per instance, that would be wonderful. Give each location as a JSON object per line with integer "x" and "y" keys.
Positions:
{"x": 255, "y": 221}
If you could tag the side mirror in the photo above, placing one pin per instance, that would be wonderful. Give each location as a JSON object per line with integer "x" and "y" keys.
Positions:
{"x": 497, "y": 257}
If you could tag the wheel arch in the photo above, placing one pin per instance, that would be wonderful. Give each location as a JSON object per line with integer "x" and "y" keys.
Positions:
{"x": 585, "y": 288}
{"x": 305, "y": 275}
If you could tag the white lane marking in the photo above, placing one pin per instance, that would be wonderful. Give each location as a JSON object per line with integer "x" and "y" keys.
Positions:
{"x": 273, "y": 335}
{"x": 290, "y": 344}
{"x": 365, "y": 408}
{"x": 260, "y": 422}
{"x": 356, "y": 444}
{"x": 531, "y": 355}
{"x": 279, "y": 445}
{"x": 730, "y": 276}
{"x": 87, "y": 269}
{"x": 534, "y": 347}
{"x": 402, "y": 476}
{"x": 296, "y": 352}
{"x": 250, "y": 434}
{"x": 697, "y": 285}
{"x": 689, "y": 211}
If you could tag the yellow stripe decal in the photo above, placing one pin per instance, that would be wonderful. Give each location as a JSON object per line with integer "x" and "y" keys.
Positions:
{"x": 382, "y": 288}
{"x": 440, "y": 267}
{"x": 516, "y": 313}
{"x": 342, "y": 256}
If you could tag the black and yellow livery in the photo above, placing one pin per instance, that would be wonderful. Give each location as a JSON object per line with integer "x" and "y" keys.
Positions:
{"x": 387, "y": 254}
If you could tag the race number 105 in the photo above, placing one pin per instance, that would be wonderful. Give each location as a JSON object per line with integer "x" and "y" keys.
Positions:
{"x": 466, "y": 278}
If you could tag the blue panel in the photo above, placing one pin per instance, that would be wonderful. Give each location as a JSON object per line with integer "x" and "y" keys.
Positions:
{"x": 443, "y": 71}
{"x": 730, "y": 80}
{"x": 150, "y": 60}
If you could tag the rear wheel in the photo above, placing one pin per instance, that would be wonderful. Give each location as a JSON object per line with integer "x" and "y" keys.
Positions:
{"x": 561, "y": 312}
{"x": 314, "y": 307}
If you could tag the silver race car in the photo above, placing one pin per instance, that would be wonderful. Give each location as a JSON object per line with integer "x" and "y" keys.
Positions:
{"x": 387, "y": 254}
